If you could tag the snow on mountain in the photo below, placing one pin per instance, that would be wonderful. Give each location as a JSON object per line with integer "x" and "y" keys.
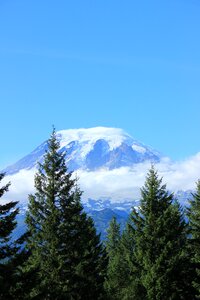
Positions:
{"x": 111, "y": 167}
{"x": 88, "y": 137}
{"x": 91, "y": 149}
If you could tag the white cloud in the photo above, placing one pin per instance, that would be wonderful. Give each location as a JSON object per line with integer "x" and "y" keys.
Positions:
{"x": 181, "y": 175}
{"x": 119, "y": 184}
{"x": 126, "y": 182}
{"x": 22, "y": 184}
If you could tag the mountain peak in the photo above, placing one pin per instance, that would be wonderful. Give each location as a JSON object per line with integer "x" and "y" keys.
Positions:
{"x": 91, "y": 149}
{"x": 114, "y": 136}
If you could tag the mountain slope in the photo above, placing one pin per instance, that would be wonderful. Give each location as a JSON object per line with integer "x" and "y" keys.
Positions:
{"x": 91, "y": 149}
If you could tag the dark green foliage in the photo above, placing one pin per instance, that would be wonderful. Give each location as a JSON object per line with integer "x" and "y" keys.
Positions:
{"x": 8, "y": 214}
{"x": 120, "y": 252}
{"x": 102, "y": 220}
{"x": 129, "y": 268}
{"x": 8, "y": 248}
{"x": 159, "y": 233}
{"x": 112, "y": 283}
{"x": 194, "y": 241}
{"x": 65, "y": 249}
{"x": 113, "y": 237}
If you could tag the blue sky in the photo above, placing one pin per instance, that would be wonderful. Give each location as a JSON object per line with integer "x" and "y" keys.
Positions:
{"x": 128, "y": 64}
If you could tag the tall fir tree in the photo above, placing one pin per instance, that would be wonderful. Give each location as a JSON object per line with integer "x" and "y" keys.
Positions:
{"x": 112, "y": 283}
{"x": 65, "y": 248}
{"x": 8, "y": 248}
{"x": 160, "y": 255}
{"x": 113, "y": 236}
{"x": 130, "y": 271}
{"x": 120, "y": 249}
{"x": 193, "y": 214}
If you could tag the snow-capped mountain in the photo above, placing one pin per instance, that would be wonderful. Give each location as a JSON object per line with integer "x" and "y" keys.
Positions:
{"x": 92, "y": 149}
{"x": 111, "y": 167}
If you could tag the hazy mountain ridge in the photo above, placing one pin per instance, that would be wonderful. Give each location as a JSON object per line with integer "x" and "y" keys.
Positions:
{"x": 103, "y": 210}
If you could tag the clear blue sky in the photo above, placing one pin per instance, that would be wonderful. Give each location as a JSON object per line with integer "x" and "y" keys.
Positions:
{"x": 129, "y": 64}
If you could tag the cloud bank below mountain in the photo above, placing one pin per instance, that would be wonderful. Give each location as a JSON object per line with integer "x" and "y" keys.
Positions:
{"x": 118, "y": 184}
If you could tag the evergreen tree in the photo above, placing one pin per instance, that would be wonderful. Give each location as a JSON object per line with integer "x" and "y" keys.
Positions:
{"x": 130, "y": 271}
{"x": 8, "y": 248}
{"x": 193, "y": 214}
{"x": 22, "y": 282}
{"x": 120, "y": 253}
{"x": 112, "y": 283}
{"x": 113, "y": 236}
{"x": 160, "y": 254}
{"x": 65, "y": 248}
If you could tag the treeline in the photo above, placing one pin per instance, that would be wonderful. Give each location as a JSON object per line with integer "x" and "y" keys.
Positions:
{"x": 60, "y": 256}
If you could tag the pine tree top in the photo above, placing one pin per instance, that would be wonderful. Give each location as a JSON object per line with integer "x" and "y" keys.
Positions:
{"x": 8, "y": 212}
{"x": 154, "y": 196}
